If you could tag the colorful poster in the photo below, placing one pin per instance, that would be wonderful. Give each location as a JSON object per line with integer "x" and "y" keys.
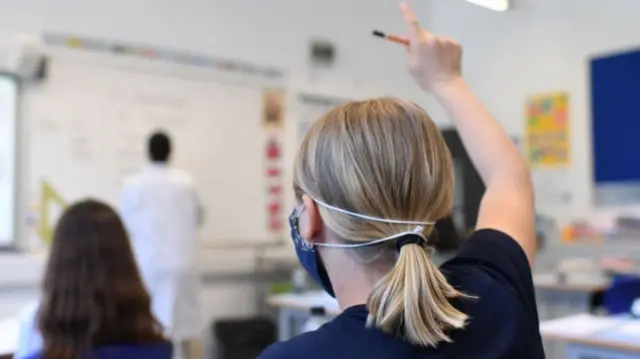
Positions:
{"x": 547, "y": 130}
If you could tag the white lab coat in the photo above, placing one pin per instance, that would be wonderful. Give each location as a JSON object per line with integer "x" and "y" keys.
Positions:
{"x": 161, "y": 210}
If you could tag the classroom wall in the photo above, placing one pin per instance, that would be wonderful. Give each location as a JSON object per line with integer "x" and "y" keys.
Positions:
{"x": 541, "y": 46}
{"x": 274, "y": 32}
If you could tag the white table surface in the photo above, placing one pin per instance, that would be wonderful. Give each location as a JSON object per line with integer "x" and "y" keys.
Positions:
{"x": 616, "y": 333}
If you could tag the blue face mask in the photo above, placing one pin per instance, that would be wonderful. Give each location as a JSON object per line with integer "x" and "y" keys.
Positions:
{"x": 310, "y": 258}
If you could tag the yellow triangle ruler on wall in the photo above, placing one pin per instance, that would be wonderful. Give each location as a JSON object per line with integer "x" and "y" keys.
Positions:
{"x": 49, "y": 200}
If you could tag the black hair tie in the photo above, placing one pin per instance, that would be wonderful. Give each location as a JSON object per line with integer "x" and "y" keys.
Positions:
{"x": 411, "y": 238}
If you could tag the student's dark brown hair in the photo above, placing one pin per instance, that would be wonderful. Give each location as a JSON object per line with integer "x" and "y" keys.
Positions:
{"x": 92, "y": 292}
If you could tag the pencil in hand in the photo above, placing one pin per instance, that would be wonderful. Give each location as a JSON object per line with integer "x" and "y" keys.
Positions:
{"x": 394, "y": 38}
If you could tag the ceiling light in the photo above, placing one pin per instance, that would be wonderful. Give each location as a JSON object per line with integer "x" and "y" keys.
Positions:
{"x": 495, "y": 5}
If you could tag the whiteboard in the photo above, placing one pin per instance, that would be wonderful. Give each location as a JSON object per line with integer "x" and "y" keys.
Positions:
{"x": 89, "y": 130}
{"x": 8, "y": 144}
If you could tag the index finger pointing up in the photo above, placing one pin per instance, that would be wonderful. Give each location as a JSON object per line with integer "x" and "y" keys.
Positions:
{"x": 412, "y": 21}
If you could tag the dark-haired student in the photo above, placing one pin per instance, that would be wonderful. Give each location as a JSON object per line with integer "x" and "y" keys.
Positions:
{"x": 93, "y": 303}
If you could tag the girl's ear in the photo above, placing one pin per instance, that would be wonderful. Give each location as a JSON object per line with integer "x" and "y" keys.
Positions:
{"x": 310, "y": 222}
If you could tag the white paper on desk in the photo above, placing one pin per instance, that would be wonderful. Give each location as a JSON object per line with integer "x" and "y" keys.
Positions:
{"x": 630, "y": 328}
{"x": 581, "y": 324}
{"x": 9, "y": 335}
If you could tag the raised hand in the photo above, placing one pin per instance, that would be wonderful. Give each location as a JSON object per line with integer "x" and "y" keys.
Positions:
{"x": 434, "y": 61}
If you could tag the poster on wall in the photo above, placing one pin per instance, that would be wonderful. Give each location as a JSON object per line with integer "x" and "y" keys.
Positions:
{"x": 547, "y": 147}
{"x": 547, "y": 130}
{"x": 273, "y": 109}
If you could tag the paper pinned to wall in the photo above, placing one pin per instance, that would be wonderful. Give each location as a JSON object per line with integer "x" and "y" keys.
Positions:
{"x": 547, "y": 130}
{"x": 546, "y": 145}
{"x": 273, "y": 109}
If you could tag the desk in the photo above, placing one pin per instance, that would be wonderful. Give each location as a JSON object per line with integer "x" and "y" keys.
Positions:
{"x": 293, "y": 309}
{"x": 558, "y": 299}
{"x": 595, "y": 337}
{"x": 9, "y": 336}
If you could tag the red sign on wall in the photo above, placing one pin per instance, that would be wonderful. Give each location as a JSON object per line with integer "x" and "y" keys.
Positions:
{"x": 273, "y": 174}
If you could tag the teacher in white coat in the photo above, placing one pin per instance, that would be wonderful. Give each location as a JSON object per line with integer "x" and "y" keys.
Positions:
{"x": 162, "y": 213}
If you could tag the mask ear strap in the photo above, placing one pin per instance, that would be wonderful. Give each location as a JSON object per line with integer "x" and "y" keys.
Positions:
{"x": 416, "y": 232}
{"x": 371, "y": 218}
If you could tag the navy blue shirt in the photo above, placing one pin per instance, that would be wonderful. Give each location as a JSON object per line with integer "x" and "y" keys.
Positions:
{"x": 503, "y": 319}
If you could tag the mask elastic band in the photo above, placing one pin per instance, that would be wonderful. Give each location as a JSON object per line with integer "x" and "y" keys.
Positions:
{"x": 416, "y": 231}
{"x": 371, "y": 218}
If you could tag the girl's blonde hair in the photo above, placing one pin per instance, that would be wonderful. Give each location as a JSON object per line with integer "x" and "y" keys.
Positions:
{"x": 386, "y": 158}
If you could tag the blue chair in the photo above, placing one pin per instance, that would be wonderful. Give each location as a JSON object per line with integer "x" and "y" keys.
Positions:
{"x": 624, "y": 290}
